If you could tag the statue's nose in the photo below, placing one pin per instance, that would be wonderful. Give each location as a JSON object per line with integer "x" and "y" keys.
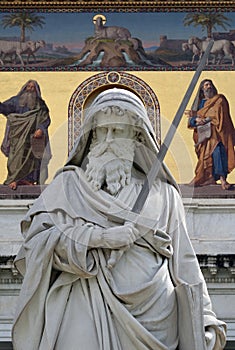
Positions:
{"x": 109, "y": 135}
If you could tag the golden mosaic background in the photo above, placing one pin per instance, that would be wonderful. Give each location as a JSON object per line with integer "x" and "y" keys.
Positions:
{"x": 169, "y": 87}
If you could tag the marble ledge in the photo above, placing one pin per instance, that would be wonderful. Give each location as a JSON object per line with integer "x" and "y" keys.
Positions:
{"x": 210, "y": 223}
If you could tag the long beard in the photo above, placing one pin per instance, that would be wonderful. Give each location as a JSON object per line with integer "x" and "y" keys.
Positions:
{"x": 28, "y": 99}
{"x": 208, "y": 93}
{"x": 110, "y": 165}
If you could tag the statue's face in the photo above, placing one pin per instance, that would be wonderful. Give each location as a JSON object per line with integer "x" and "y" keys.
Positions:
{"x": 111, "y": 152}
{"x": 112, "y": 127}
{"x": 111, "y": 132}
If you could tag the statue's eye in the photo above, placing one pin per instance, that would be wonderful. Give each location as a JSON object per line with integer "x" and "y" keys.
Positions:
{"x": 102, "y": 129}
{"x": 118, "y": 131}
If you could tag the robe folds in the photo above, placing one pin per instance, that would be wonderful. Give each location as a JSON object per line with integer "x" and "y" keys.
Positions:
{"x": 71, "y": 300}
{"x": 16, "y": 145}
{"x": 222, "y": 130}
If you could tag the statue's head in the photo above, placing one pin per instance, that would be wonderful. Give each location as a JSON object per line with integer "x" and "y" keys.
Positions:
{"x": 112, "y": 148}
{"x": 116, "y": 137}
{"x": 119, "y": 106}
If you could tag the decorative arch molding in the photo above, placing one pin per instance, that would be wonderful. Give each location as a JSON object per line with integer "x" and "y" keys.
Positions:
{"x": 91, "y": 87}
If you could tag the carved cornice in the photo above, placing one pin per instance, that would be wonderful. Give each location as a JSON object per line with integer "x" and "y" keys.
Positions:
{"x": 7, "y": 264}
{"x": 115, "y": 5}
{"x": 216, "y": 269}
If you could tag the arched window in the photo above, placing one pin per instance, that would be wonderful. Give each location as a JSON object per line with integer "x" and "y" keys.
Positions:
{"x": 88, "y": 90}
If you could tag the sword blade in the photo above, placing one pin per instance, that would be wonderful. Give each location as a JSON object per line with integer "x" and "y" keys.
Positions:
{"x": 151, "y": 176}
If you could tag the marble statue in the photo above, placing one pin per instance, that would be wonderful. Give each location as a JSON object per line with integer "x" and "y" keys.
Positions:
{"x": 72, "y": 297}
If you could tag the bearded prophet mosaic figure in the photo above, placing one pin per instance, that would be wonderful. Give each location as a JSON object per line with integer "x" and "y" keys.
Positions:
{"x": 26, "y": 140}
{"x": 71, "y": 298}
{"x": 216, "y": 157}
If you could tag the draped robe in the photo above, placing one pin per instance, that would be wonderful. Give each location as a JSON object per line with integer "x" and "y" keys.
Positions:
{"x": 222, "y": 130}
{"x": 21, "y": 125}
{"x": 71, "y": 300}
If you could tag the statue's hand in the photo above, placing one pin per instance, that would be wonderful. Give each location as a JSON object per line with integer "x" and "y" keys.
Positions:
{"x": 210, "y": 335}
{"x": 120, "y": 236}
